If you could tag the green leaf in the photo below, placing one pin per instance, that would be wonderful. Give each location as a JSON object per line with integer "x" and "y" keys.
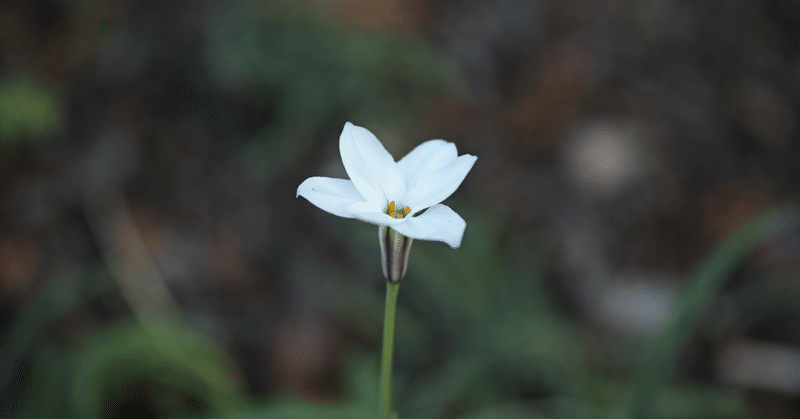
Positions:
{"x": 27, "y": 110}
{"x": 168, "y": 355}
{"x": 703, "y": 284}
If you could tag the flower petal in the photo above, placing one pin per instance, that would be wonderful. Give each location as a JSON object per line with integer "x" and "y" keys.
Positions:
{"x": 329, "y": 194}
{"x": 439, "y": 223}
{"x": 434, "y": 187}
{"x": 425, "y": 158}
{"x": 365, "y": 206}
{"x": 371, "y": 168}
{"x": 365, "y": 211}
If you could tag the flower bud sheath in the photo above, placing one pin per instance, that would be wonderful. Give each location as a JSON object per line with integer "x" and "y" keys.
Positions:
{"x": 395, "y": 249}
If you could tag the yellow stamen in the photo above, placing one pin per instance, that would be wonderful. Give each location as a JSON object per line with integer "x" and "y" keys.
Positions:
{"x": 396, "y": 212}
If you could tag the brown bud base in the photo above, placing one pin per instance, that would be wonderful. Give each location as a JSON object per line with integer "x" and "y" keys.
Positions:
{"x": 395, "y": 249}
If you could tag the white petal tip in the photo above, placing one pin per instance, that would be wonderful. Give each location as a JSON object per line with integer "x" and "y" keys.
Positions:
{"x": 329, "y": 194}
{"x": 455, "y": 244}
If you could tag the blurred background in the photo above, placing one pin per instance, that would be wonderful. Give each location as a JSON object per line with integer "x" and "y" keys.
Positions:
{"x": 632, "y": 246}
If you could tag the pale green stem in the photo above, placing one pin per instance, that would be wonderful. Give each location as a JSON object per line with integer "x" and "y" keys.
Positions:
{"x": 385, "y": 385}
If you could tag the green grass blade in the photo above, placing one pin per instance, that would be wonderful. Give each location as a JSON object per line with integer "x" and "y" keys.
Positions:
{"x": 704, "y": 283}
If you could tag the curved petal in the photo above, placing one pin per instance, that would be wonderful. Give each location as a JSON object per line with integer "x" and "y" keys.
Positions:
{"x": 363, "y": 211}
{"x": 439, "y": 223}
{"x": 437, "y": 185}
{"x": 425, "y": 158}
{"x": 371, "y": 168}
{"x": 329, "y": 194}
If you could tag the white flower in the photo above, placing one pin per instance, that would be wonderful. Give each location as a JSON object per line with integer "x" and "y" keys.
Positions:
{"x": 383, "y": 192}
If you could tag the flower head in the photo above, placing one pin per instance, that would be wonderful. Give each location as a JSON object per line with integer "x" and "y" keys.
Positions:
{"x": 393, "y": 194}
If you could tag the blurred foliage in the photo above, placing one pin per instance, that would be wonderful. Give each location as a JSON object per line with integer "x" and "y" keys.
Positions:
{"x": 703, "y": 285}
{"x": 28, "y": 111}
{"x": 306, "y": 73}
{"x": 502, "y": 339}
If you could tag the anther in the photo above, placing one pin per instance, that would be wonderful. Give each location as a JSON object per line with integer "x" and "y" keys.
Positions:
{"x": 391, "y": 206}
{"x": 407, "y": 210}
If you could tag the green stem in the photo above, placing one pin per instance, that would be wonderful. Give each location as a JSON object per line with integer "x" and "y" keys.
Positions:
{"x": 385, "y": 385}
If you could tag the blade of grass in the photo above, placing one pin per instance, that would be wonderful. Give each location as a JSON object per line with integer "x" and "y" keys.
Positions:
{"x": 703, "y": 285}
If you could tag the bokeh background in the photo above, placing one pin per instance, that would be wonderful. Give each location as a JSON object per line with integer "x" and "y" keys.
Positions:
{"x": 632, "y": 244}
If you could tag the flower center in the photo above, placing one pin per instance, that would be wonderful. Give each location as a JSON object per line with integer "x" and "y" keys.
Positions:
{"x": 398, "y": 212}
